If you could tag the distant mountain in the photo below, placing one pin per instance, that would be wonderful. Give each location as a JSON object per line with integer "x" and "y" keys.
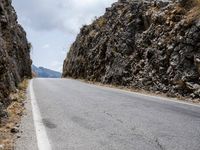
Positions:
{"x": 45, "y": 73}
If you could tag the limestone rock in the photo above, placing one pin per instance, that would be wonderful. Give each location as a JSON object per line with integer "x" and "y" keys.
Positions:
{"x": 149, "y": 45}
{"x": 15, "y": 62}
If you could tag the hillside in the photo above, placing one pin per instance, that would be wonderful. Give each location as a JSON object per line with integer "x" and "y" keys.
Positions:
{"x": 154, "y": 46}
{"x": 15, "y": 62}
{"x": 42, "y": 72}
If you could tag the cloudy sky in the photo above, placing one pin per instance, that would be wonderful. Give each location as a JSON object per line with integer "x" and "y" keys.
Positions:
{"x": 52, "y": 26}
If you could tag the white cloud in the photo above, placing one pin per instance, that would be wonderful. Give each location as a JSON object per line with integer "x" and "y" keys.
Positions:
{"x": 52, "y": 25}
{"x": 64, "y": 15}
{"x": 56, "y": 65}
{"x": 45, "y": 46}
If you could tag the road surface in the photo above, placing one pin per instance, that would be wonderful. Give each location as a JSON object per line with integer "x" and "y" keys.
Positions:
{"x": 72, "y": 115}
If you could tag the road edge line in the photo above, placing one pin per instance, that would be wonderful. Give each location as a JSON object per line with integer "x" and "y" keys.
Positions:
{"x": 41, "y": 134}
{"x": 165, "y": 99}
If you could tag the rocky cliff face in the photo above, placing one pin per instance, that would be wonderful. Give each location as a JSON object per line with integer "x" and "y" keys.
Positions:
{"x": 151, "y": 45}
{"x": 15, "y": 62}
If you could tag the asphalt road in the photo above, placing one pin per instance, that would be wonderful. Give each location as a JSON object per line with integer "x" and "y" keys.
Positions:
{"x": 80, "y": 116}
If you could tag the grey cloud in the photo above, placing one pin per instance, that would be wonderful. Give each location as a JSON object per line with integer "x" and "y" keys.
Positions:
{"x": 64, "y": 15}
{"x": 61, "y": 20}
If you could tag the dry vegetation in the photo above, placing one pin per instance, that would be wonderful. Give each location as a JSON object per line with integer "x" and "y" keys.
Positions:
{"x": 101, "y": 22}
{"x": 8, "y": 128}
{"x": 192, "y": 10}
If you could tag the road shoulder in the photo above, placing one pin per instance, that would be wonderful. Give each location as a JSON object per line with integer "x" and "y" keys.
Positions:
{"x": 162, "y": 96}
{"x": 27, "y": 140}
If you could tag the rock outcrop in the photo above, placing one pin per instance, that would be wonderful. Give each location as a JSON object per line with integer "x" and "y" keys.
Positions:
{"x": 15, "y": 62}
{"x": 150, "y": 45}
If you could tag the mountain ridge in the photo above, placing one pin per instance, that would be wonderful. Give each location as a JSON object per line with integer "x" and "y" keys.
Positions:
{"x": 45, "y": 73}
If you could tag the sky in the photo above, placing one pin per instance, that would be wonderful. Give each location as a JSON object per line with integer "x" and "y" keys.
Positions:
{"x": 52, "y": 26}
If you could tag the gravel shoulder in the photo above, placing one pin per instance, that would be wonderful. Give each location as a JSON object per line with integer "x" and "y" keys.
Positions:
{"x": 27, "y": 140}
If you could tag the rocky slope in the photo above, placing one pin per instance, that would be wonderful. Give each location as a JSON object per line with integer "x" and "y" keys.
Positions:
{"x": 151, "y": 45}
{"x": 15, "y": 62}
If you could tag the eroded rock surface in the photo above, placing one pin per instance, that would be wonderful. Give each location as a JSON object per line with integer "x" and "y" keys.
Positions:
{"x": 15, "y": 62}
{"x": 151, "y": 45}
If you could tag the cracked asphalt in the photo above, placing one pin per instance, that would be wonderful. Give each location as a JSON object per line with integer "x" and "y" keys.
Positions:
{"x": 80, "y": 116}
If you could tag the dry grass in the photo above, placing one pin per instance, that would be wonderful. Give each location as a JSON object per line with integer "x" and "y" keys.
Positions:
{"x": 194, "y": 13}
{"x": 15, "y": 111}
{"x": 196, "y": 3}
{"x": 101, "y": 22}
{"x": 192, "y": 10}
{"x": 190, "y": 3}
{"x": 198, "y": 6}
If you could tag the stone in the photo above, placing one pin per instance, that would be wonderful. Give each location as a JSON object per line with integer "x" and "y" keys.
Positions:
{"x": 15, "y": 62}
{"x": 147, "y": 45}
{"x": 14, "y": 130}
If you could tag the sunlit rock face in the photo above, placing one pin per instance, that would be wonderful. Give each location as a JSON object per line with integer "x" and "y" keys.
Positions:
{"x": 151, "y": 45}
{"x": 15, "y": 62}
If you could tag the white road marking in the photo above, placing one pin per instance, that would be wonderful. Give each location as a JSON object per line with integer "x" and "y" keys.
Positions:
{"x": 41, "y": 134}
{"x": 174, "y": 100}
{"x": 169, "y": 99}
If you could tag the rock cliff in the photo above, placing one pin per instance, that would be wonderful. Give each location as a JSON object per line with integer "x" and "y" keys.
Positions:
{"x": 150, "y": 45}
{"x": 15, "y": 62}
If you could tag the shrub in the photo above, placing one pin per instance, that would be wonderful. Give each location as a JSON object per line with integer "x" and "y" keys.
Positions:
{"x": 101, "y": 22}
